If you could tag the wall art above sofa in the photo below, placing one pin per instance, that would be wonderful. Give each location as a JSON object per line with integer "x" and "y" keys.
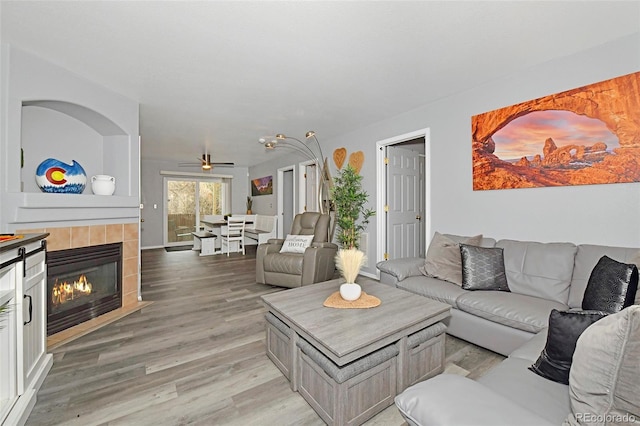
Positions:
{"x": 584, "y": 136}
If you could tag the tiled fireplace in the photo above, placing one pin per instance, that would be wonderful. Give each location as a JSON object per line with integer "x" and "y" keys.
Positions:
{"x": 65, "y": 238}
{"x": 82, "y": 283}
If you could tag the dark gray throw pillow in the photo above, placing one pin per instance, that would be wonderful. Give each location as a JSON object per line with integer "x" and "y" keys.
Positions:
{"x": 554, "y": 363}
{"x": 611, "y": 287}
{"x": 483, "y": 268}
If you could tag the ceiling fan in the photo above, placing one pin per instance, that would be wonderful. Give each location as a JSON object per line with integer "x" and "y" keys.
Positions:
{"x": 205, "y": 163}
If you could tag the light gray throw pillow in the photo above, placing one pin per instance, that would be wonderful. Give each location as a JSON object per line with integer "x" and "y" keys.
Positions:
{"x": 443, "y": 258}
{"x": 603, "y": 381}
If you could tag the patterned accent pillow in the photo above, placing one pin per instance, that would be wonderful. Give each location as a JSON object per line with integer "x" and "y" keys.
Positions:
{"x": 565, "y": 327}
{"x": 296, "y": 243}
{"x": 612, "y": 286}
{"x": 483, "y": 268}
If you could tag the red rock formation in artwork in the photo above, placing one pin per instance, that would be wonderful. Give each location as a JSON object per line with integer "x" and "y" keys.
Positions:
{"x": 615, "y": 102}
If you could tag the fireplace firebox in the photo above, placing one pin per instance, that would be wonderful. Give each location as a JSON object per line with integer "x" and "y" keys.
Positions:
{"x": 82, "y": 283}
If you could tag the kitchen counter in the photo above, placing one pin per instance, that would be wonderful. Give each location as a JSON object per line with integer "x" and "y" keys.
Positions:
{"x": 18, "y": 242}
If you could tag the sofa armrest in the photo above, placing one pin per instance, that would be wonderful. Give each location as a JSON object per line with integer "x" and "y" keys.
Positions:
{"x": 273, "y": 246}
{"x": 319, "y": 263}
{"x": 325, "y": 245}
{"x": 454, "y": 400}
{"x": 275, "y": 241}
{"x": 401, "y": 268}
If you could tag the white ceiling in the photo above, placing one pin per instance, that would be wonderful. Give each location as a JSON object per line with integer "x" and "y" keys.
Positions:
{"x": 216, "y": 76}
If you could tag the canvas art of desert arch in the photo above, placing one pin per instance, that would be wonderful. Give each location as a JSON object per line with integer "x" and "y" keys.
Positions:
{"x": 615, "y": 102}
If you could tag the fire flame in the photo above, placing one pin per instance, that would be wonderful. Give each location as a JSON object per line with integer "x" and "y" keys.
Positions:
{"x": 65, "y": 291}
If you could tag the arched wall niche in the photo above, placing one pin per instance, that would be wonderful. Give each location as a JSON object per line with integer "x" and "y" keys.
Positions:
{"x": 68, "y": 131}
{"x": 98, "y": 122}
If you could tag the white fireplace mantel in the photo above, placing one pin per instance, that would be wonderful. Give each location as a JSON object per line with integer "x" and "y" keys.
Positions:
{"x": 28, "y": 209}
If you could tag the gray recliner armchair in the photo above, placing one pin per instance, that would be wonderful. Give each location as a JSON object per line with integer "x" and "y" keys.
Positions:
{"x": 315, "y": 265}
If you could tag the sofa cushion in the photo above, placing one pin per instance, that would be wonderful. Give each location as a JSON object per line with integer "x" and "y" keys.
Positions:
{"x": 443, "y": 258}
{"x": 606, "y": 365}
{"x": 442, "y": 291}
{"x": 286, "y": 263}
{"x": 611, "y": 287}
{"x": 586, "y": 258}
{"x": 519, "y": 311}
{"x": 564, "y": 329}
{"x": 448, "y": 399}
{"x": 531, "y": 349}
{"x": 483, "y": 268}
{"x": 512, "y": 379}
{"x": 539, "y": 269}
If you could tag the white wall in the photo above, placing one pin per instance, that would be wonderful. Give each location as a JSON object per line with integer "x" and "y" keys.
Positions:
{"x": 598, "y": 214}
{"x": 152, "y": 193}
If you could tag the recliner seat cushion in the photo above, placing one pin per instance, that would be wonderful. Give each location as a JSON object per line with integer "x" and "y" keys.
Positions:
{"x": 539, "y": 269}
{"x": 440, "y": 290}
{"x": 519, "y": 311}
{"x": 285, "y": 263}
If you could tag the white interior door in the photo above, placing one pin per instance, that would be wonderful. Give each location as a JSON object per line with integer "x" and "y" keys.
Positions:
{"x": 288, "y": 212}
{"x": 311, "y": 188}
{"x": 286, "y": 199}
{"x": 405, "y": 186}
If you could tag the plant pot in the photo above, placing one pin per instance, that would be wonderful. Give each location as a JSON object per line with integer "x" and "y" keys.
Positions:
{"x": 350, "y": 292}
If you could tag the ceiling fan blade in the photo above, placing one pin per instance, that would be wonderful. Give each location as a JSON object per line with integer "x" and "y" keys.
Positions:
{"x": 206, "y": 163}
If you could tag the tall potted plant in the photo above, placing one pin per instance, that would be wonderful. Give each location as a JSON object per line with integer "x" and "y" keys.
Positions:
{"x": 351, "y": 219}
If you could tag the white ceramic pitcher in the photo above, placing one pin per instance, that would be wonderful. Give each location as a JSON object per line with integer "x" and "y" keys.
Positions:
{"x": 103, "y": 184}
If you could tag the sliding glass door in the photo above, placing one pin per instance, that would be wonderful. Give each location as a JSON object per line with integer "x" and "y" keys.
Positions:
{"x": 188, "y": 200}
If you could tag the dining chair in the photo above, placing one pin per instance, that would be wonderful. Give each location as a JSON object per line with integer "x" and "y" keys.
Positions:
{"x": 233, "y": 232}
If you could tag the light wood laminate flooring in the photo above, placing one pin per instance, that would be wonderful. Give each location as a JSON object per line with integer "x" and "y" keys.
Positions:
{"x": 194, "y": 356}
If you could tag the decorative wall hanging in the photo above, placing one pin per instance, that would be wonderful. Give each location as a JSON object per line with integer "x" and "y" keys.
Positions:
{"x": 356, "y": 159}
{"x": 589, "y": 135}
{"x": 339, "y": 155}
{"x": 262, "y": 186}
{"x": 55, "y": 176}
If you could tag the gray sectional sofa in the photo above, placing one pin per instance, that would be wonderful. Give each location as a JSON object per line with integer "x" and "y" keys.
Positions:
{"x": 541, "y": 277}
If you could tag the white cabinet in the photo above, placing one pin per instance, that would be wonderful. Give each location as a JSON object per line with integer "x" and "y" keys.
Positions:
{"x": 8, "y": 351}
{"x": 24, "y": 362}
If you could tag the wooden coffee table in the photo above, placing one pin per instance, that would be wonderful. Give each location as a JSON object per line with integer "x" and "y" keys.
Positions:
{"x": 319, "y": 349}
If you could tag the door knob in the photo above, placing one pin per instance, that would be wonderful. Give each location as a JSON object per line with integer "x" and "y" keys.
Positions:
{"x": 141, "y": 220}
{"x": 418, "y": 217}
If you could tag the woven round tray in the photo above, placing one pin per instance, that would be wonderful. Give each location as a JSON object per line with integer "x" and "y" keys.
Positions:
{"x": 363, "y": 302}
